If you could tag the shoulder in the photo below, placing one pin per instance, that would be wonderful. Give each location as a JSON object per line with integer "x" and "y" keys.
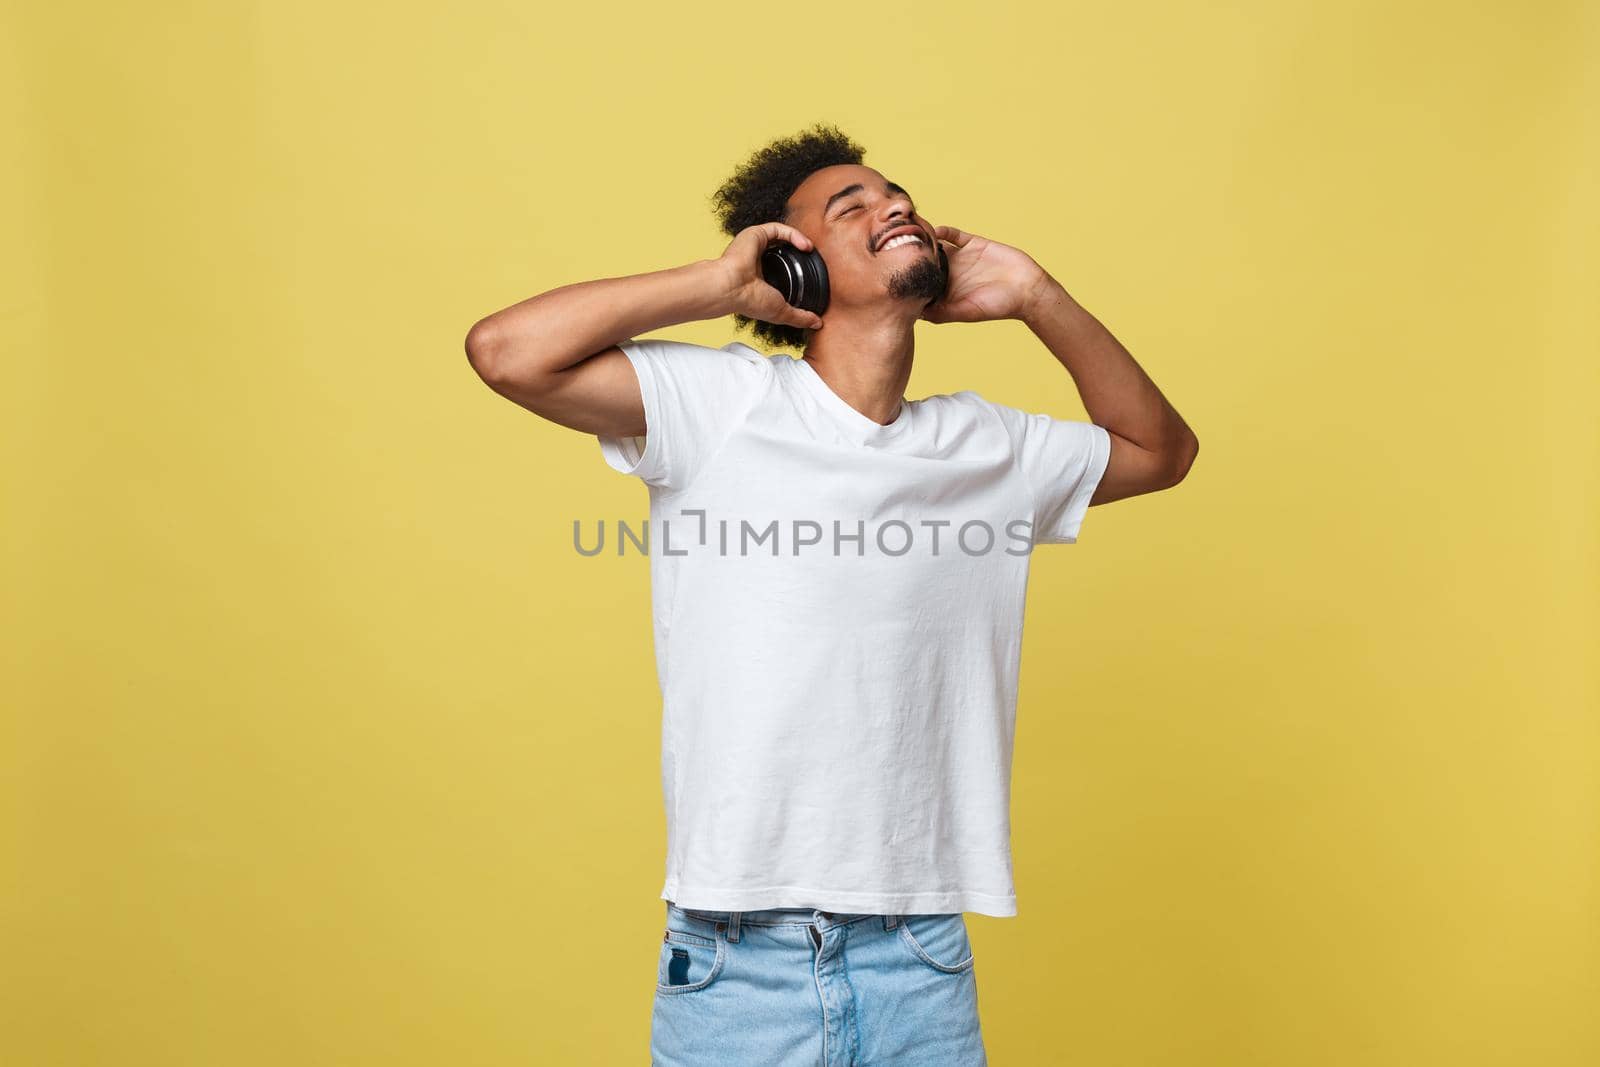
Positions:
{"x": 692, "y": 372}
{"x": 1034, "y": 437}
{"x": 734, "y": 354}
{"x": 968, "y": 406}
{"x": 752, "y": 361}
{"x": 1018, "y": 423}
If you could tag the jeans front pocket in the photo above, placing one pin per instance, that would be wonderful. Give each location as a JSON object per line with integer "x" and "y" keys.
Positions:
{"x": 939, "y": 940}
{"x": 688, "y": 961}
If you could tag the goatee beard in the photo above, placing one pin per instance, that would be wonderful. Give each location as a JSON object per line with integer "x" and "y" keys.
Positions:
{"x": 921, "y": 280}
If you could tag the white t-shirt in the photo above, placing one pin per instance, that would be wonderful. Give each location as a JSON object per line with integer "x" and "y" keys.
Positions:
{"x": 838, "y": 614}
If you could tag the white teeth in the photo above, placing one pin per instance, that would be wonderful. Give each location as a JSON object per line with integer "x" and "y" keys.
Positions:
{"x": 897, "y": 241}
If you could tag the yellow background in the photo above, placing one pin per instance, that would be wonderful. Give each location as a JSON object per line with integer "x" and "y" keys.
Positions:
{"x": 321, "y": 744}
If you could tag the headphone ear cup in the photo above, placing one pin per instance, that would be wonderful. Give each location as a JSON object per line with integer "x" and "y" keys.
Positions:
{"x": 800, "y": 276}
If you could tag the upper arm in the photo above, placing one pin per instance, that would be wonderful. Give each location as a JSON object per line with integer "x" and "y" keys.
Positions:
{"x": 1071, "y": 465}
{"x": 659, "y": 408}
{"x": 1131, "y": 470}
{"x": 599, "y": 395}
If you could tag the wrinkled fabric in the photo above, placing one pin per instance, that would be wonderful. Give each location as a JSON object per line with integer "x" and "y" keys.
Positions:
{"x": 837, "y": 612}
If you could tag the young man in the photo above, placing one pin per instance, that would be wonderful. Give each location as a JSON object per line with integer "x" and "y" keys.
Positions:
{"x": 838, "y": 577}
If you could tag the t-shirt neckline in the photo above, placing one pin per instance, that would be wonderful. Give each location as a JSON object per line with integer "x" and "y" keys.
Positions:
{"x": 862, "y": 429}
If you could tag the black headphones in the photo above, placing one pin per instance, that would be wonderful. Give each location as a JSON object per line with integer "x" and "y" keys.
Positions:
{"x": 802, "y": 277}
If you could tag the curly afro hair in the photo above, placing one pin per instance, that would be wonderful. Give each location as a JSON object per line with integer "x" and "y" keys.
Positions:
{"x": 759, "y": 192}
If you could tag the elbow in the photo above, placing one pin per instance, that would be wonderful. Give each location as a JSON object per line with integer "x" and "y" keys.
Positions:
{"x": 482, "y": 345}
{"x": 1185, "y": 458}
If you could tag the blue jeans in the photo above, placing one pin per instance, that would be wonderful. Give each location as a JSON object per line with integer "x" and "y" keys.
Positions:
{"x": 800, "y": 987}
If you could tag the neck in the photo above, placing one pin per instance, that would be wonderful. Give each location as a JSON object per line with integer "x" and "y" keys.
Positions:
{"x": 867, "y": 364}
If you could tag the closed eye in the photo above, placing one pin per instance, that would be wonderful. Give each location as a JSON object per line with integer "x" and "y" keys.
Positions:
{"x": 857, "y": 207}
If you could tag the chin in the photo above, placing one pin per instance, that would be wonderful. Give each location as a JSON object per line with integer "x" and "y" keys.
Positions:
{"x": 921, "y": 281}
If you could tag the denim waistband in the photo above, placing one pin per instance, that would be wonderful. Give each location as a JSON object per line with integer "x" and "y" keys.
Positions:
{"x": 772, "y": 916}
{"x": 733, "y": 920}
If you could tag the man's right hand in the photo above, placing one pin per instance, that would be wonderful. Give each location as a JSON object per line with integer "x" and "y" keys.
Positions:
{"x": 748, "y": 292}
{"x": 553, "y": 355}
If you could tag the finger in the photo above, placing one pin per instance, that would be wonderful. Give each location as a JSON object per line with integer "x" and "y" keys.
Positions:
{"x": 779, "y": 231}
{"x": 953, "y": 235}
{"x": 799, "y": 316}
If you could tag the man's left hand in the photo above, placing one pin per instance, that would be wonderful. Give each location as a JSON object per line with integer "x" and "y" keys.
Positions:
{"x": 988, "y": 280}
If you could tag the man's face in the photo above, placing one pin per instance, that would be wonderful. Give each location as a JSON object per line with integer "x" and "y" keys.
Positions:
{"x": 849, "y": 211}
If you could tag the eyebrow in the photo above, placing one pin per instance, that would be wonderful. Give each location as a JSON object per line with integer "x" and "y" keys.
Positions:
{"x": 888, "y": 187}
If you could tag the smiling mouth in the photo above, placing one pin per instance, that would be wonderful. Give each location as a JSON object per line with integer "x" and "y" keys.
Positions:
{"x": 914, "y": 242}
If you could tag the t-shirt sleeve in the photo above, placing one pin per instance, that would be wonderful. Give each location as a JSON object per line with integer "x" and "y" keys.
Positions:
{"x": 1062, "y": 460}
{"x": 694, "y": 397}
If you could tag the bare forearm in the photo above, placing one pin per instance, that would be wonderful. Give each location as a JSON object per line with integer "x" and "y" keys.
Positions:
{"x": 1117, "y": 394}
{"x": 556, "y": 329}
